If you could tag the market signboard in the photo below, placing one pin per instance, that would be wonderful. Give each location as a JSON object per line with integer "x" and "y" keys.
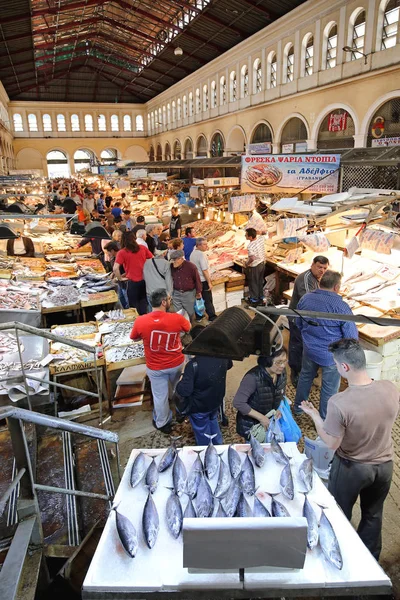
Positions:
{"x": 290, "y": 173}
{"x": 221, "y": 182}
{"x": 260, "y": 148}
{"x": 385, "y": 142}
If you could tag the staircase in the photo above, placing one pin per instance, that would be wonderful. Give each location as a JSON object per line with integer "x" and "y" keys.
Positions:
{"x": 55, "y": 487}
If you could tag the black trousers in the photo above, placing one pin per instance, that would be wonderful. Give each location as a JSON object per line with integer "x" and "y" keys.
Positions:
{"x": 347, "y": 481}
{"x": 295, "y": 347}
{"x": 137, "y": 296}
{"x": 208, "y": 301}
{"x": 255, "y": 280}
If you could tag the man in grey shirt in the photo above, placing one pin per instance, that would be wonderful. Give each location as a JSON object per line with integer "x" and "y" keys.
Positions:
{"x": 304, "y": 283}
{"x": 157, "y": 276}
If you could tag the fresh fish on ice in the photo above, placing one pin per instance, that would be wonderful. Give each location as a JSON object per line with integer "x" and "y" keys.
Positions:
{"x": 259, "y": 510}
{"x": 328, "y": 542}
{"x": 306, "y": 473}
{"x": 138, "y": 469}
{"x": 230, "y": 501}
{"x": 257, "y": 451}
{"x": 190, "y": 512}
{"x": 243, "y": 508}
{"x": 247, "y": 477}
{"x": 286, "y": 482}
{"x": 179, "y": 476}
{"x": 220, "y": 511}
{"x": 169, "y": 456}
{"x": 152, "y": 476}
{"x": 127, "y": 533}
{"x": 193, "y": 479}
{"x": 224, "y": 479}
{"x": 174, "y": 514}
{"x": 204, "y": 498}
{"x": 312, "y": 523}
{"x": 234, "y": 461}
{"x": 278, "y": 453}
{"x": 211, "y": 458}
{"x": 277, "y": 508}
{"x": 150, "y": 522}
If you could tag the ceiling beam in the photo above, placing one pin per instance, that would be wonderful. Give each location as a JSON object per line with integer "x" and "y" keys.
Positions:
{"x": 56, "y": 76}
{"x": 271, "y": 15}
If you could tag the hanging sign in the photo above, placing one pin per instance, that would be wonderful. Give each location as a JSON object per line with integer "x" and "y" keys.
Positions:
{"x": 385, "y": 142}
{"x": 261, "y": 148}
{"x": 290, "y": 172}
{"x": 287, "y": 148}
{"x": 378, "y": 127}
{"x": 337, "y": 122}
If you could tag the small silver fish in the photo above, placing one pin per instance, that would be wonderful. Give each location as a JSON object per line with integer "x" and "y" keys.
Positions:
{"x": 179, "y": 476}
{"x": 150, "y": 522}
{"x": 220, "y": 511}
{"x": 174, "y": 515}
{"x": 204, "y": 499}
{"x": 138, "y": 469}
{"x": 230, "y": 501}
{"x": 286, "y": 482}
{"x": 235, "y": 464}
{"x": 127, "y": 534}
{"x": 190, "y": 512}
{"x": 247, "y": 477}
{"x": 152, "y": 476}
{"x": 312, "y": 524}
{"x": 277, "y": 508}
{"x": 224, "y": 480}
{"x": 257, "y": 451}
{"x": 211, "y": 458}
{"x": 243, "y": 508}
{"x": 306, "y": 473}
{"x": 169, "y": 456}
{"x": 193, "y": 479}
{"x": 278, "y": 453}
{"x": 259, "y": 510}
{"x": 328, "y": 542}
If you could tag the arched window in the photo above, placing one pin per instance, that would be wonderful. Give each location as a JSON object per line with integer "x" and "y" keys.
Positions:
{"x": 222, "y": 91}
{"x": 232, "y": 87}
{"x": 75, "y": 123}
{"x": 213, "y": 94}
{"x": 257, "y": 76}
{"x": 331, "y": 47}
{"x": 177, "y": 150}
{"x": 57, "y": 164}
{"x": 61, "y": 124}
{"x": 178, "y": 110}
{"x": 168, "y": 113}
{"x": 88, "y": 123}
{"x": 294, "y": 131}
{"x": 358, "y": 35}
{"x": 164, "y": 116}
{"x": 127, "y": 123}
{"x": 308, "y": 55}
{"x": 390, "y": 24}
{"x": 185, "y": 107}
{"x": 114, "y": 123}
{"x": 244, "y": 81}
{"x": 109, "y": 156}
{"x": 261, "y": 134}
{"x": 288, "y": 64}
{"x": 167, "y": 152}
{"x": 173, "y": 111}
{"x": 385, "y": 124}
{"x": 148, "y": 124}
{"x": 83, "y": 159}
{"x": 152, "y": 122}
{"x": 160, "y": 119}
{"x": 272, "y": 70}
{"x": 217, "y": 145}
{"x": 198, "y": 101}
{"x": 151, "y": 154}
{"x": 188, "y": 149}
{"x": 17, "y": 120}
{"x": 202, "y": 147}
{"x": 139, "y": 123}
{"x": 159, "y": 152}
{"x": 32, "y": 122}
{"x": 101, "y": 123}
{"x": 205, "y": 97}
{"x": 191, "y": 104}
{"x": 46, "y": 120}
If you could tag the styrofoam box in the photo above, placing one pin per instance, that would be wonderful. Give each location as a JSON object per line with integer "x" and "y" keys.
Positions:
{"x": 233, "y": 303}
{"x": 220, "y": 307}
{"x": 391, "y": 375}
{"x": 220, "y": 287}
{"x": 388, "y": 349}
{"x": 391, "y": 362}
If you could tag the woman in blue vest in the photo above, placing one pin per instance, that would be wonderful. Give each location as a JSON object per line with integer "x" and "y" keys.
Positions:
{"x": 261, "y": 390}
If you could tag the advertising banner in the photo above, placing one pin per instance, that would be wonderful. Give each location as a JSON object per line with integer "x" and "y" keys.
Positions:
{"x": 260, "y": 148}
{"x": 290, "y": 173}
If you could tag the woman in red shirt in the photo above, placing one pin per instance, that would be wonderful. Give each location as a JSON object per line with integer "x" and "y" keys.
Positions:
{"x": 132, "y": 257}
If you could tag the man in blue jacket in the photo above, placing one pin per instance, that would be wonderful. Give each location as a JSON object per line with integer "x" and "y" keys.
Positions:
{"x": 204, "y": 382}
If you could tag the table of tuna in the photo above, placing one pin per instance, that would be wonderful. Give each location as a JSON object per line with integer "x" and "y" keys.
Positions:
{"x": 235, "y": 520}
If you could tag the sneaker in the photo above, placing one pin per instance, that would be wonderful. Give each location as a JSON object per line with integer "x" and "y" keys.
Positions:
{"x": 224, "y": 421}
{"x": 167, "y": 428}
{"x": 297, "y": 411}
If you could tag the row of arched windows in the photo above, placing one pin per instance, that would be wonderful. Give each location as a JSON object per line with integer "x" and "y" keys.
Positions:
{"x": 76, "y": 123}
{"x": 242, "y": 86}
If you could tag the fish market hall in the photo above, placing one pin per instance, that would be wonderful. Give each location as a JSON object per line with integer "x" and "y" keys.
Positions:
{"x": 199, "y": 299}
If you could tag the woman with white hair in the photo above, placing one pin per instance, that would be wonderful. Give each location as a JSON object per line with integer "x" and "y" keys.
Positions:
{"x": 141, "y": 237}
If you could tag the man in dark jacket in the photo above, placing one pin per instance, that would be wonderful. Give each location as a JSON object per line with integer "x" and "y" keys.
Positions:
{"x": 204, "y": 382}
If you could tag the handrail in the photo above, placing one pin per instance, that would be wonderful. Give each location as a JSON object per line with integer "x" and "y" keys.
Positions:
{"x": 48, "y": 335}
{"x": 4, "y": 498}
{"x": 13, "y": 412}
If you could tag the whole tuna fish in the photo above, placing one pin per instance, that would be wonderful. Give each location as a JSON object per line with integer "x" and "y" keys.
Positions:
{"x": 190, "y": 512}
{"x": 328, "y": 542}
{"x": 224, "y": 480}
{"x": 277, "y": 508}
{"x": 138, "y": 469}
{"x": 174, "y": 515}
{"x": 286, "y": 482}
{"x": 152, "y": 476}
{"x": 220, "y": 511}
{"x": 235, "y": 464}
{"x": 278, "y": 453}
{"x": 259, "y": 509}
{"x": 247, "y": 477}
{"x": 179, "y": 476}
{"x": 204, "y": 499}
{"x": 211, "y": 458}
{"x": 127, "y": 534}
{"x": 312, "y": 523}
{"x": 230, "y": 501}
{"x": 243, "y": 508}
{"x": 306, "y": 473}
{"x": 150, "y": 522}
{"x": 257, "y": 451}
{"x": 168, "y": 456}
{"x": 193, "y": 479}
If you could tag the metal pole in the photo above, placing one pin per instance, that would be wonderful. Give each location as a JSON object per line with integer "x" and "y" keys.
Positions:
{"x": 46, "y": 334}
{"x": 23, "y": 370}
{"x": 288, "y": 312}
{"x": 9, "y": 490}
{"x": 57, "y": 490}
{"x": 61, "y": 385}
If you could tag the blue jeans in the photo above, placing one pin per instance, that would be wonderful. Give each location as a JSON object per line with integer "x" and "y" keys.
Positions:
{"x": 206, "y": 423}
{"x": 329, "y": 387}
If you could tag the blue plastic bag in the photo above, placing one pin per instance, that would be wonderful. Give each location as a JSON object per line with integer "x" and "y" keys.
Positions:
{"x": 274, "y": 431}
{"x": 199, "y": 307}
{"x": 289, "y": 427}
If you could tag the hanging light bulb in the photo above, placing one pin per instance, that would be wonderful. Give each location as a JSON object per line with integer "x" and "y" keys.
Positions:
{"x": 190, "y": 211}
{"x": 199, "y": 216}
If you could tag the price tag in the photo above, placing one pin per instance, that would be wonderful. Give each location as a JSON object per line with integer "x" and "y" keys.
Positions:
{"x": 352, "y": 247}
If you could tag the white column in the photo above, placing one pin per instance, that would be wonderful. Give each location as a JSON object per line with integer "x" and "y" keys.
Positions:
{"x": 311, "y": 145}
{"x": 342, "y": 34}
{"x": 279, "y": 63}
{"x": 360, "y": 140}
{"x": 317, "y": 46}
{"x": 276, "y": 148}
{"x": 370, "y": 30}
{"x": 263, "y": 70}
{"x": 297, "y": 55}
